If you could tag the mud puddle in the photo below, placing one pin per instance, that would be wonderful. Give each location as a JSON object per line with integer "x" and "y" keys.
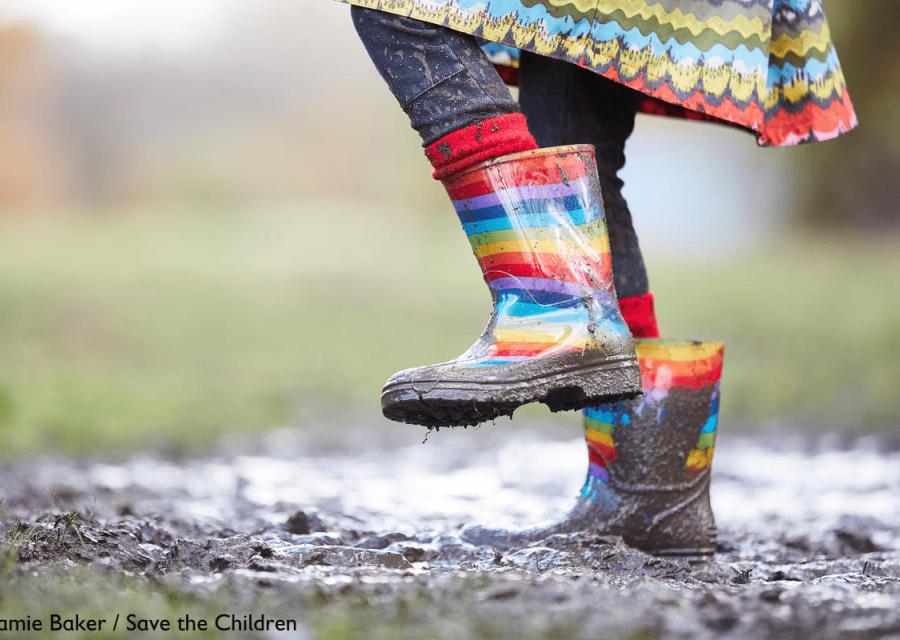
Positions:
{"x": 809, "y": 533}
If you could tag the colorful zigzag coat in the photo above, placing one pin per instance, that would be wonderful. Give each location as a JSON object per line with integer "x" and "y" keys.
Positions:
{"x": 765, "y": 65}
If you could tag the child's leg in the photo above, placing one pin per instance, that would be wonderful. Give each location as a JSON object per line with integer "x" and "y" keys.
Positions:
{"x": 447, "y": 87}
{"x": 565, "y": 104}
{"x": 535, "y": 221}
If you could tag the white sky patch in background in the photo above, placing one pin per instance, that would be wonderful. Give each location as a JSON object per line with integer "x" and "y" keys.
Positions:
{"x": 124, "y": 24}
{"x": 701, "y": 192}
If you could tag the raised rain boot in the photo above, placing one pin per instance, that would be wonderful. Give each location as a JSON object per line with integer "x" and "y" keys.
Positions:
{"x": 536, "y": 225}
{"x": 649, "y": 459}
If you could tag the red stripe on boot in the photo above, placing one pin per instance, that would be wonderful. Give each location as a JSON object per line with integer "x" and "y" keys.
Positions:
{"x": 485, "y": 140}
{"x": 601, "y": 455}
{"x": 640, "y": 315}
{"x": 549, "y": 170}
{"x": 543, "y": 265}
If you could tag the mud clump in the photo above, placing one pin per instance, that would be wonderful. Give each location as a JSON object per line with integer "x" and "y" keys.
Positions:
{"x": 301, "y": 523}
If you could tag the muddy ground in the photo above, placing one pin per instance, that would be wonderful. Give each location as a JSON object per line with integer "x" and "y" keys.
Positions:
{"x": 357, "y": 536}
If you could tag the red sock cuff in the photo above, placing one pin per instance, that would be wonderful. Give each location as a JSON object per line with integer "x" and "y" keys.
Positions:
{"x": 484, "y": 140}
{"x": 640, "y": 316}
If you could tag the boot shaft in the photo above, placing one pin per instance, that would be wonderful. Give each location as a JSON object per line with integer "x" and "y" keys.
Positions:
{"x": 667, "y": 436}
{"x": 535, "y": 220}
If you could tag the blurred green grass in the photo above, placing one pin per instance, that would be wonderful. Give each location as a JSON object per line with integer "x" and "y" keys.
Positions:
{"x": 416, "y": 608}
{"x": 167, "y": 328}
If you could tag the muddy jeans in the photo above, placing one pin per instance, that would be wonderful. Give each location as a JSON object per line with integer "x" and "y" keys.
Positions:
{"x": 443, "y": 81}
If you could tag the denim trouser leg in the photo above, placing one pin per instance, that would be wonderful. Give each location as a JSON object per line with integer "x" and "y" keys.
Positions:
{"x": 565, "y": 104}
{"x": 441, "y": 78}
{"x": 444, "y": 82}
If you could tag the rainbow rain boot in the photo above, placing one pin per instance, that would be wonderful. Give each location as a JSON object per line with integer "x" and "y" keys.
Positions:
{"x": 536, "y": 225}
{"x": 649, "y": 459}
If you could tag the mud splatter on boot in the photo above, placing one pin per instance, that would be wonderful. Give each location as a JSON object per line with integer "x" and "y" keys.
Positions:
{"x": 649, "y": 459}
{"x": 536, "y": 225}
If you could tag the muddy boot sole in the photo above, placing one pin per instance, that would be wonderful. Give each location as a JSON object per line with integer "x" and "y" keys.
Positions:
{"x": 458, "y": 403}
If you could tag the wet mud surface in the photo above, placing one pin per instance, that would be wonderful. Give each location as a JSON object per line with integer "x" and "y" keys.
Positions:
{"x": 809, "y": 534}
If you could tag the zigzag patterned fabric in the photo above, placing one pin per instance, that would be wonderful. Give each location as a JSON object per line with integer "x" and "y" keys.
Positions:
{"x": 681, "y": 393}
{"x": 765, "y": 65}
{"x": 537, "y": 228}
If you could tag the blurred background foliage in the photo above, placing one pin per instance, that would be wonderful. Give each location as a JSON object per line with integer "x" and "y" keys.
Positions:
{"x": 855, "y": 186}
{"x": 213, "y": 217}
